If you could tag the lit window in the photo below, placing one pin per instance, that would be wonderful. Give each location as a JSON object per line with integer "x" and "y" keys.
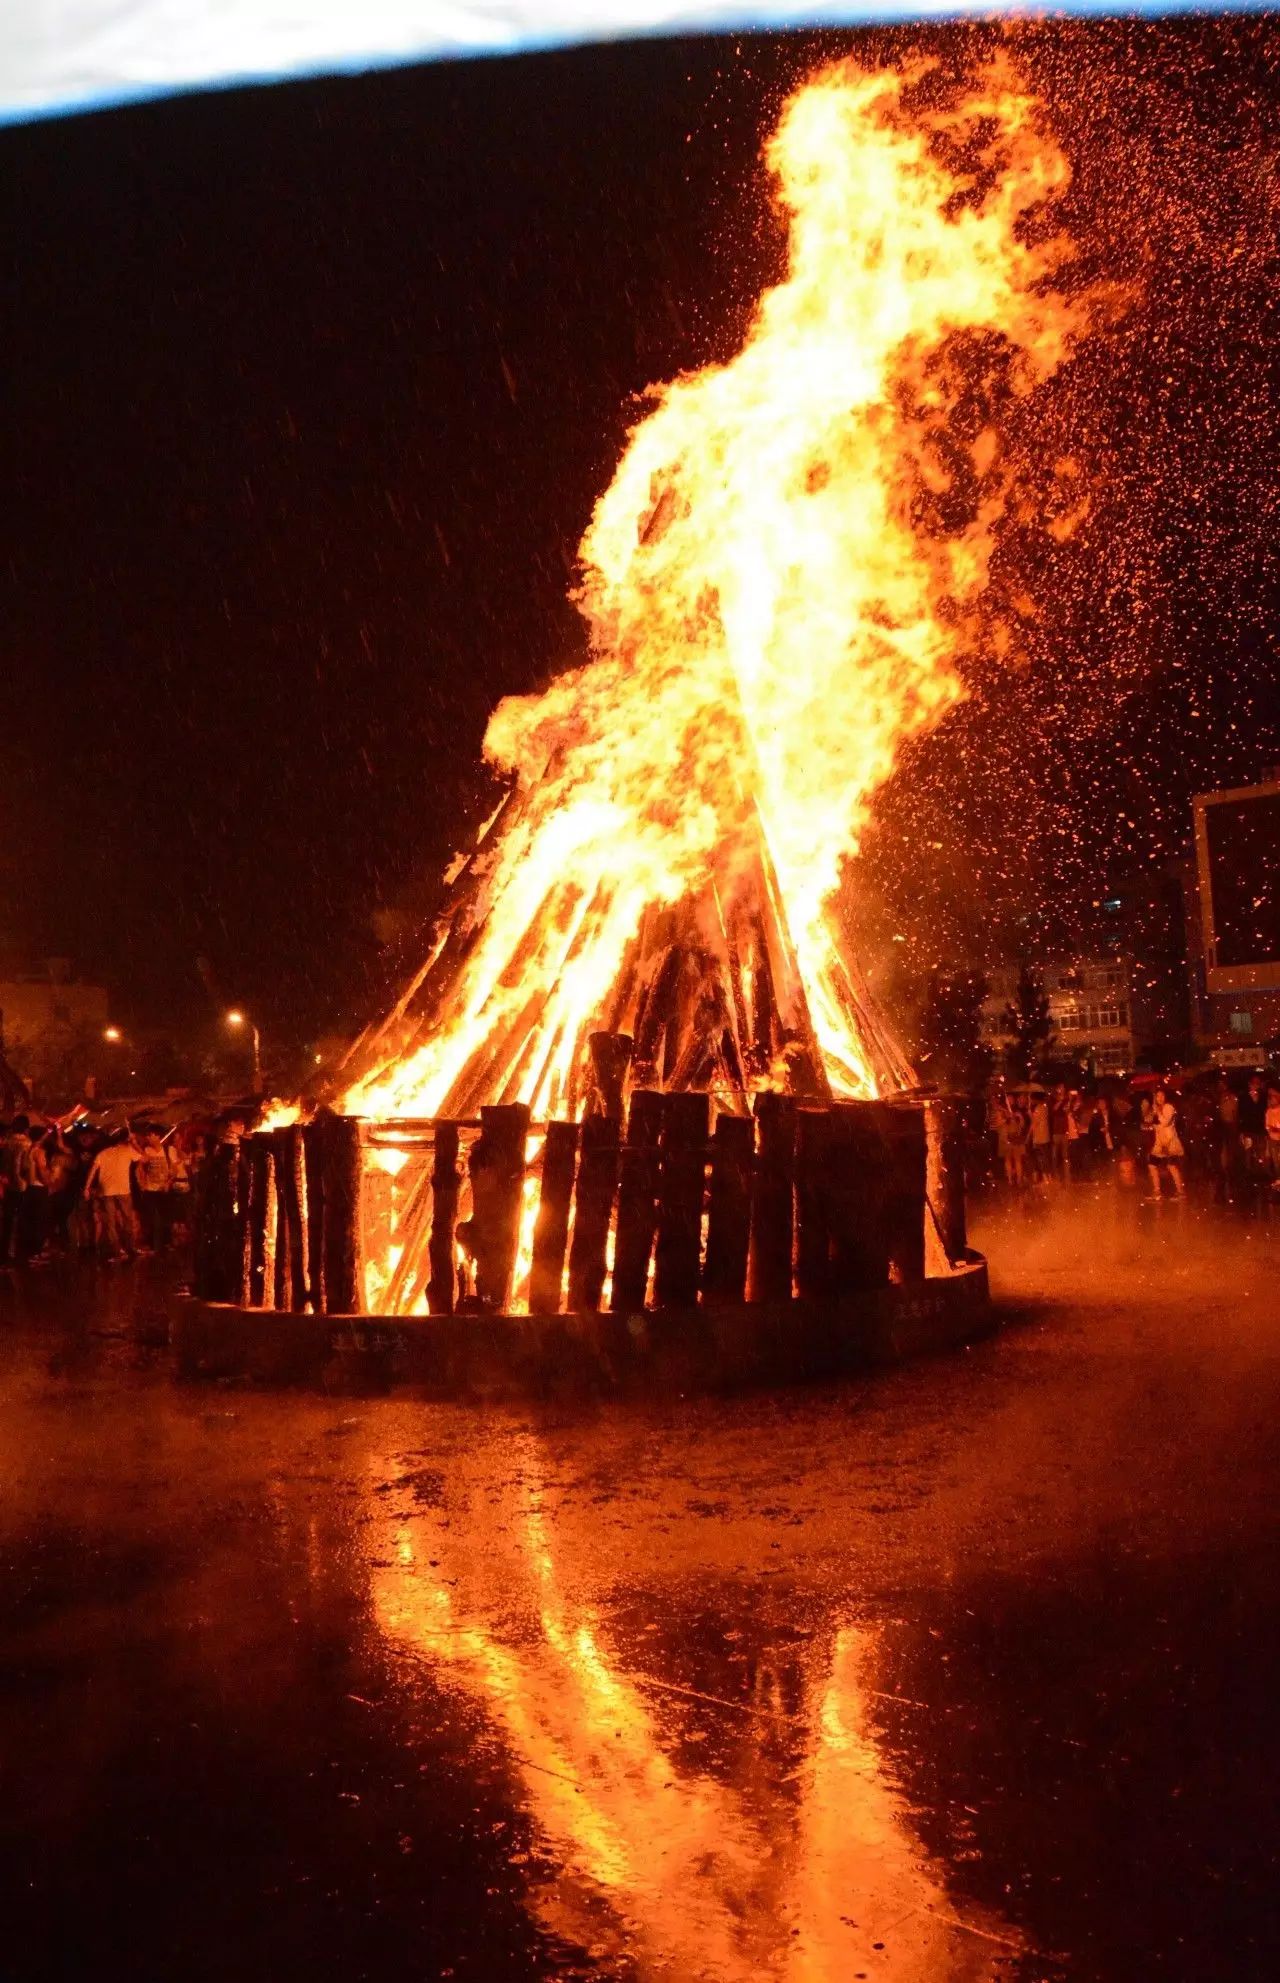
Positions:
{"x": 1242, "y": 1022}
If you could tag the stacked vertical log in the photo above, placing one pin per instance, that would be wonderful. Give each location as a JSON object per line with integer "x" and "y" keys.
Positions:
{"x": 769, "y": 1269}
{"x": 733, "y": 1158}
{"x": 290, "y": 1286}
{"x": 944, "y": 1124}
{"x": 255, "y": 1200}
{"x": 641, "y": 1164}
{"x": 551, "y": 1229}
{"x": 332, "y": 1177}
{"x": 806, "y": 1200}
{"x": 442, "y": 1279}
{"x": 677, "y": 1254}
{"x": 497, "y": 1166}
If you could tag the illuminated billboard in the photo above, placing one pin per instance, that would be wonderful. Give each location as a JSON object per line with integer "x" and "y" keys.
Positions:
{"x": 65, "y": 55}
{"x": 1238, "y": 858}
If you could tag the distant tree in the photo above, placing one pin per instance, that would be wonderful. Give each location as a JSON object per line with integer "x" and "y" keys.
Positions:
{"x": 1027, "y": 1018}
{"x": 952, "y": 1053}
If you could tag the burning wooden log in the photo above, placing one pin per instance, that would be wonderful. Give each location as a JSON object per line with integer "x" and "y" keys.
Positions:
{"x": 724, "y": 1275}
{"x": 313, "y": 1177}
{"x": 678, "y": 1250}
{"x": 496, "y": 1168}
{"x": 442, "y": 1264}
{"x": 551, "y": 1231}
{"x": 813, "y": 1236}
{"x": 855, "y": 1193}
{"x": 637, "y": 1202}
{"x": 944, "y": 1125}
{"x": 904, "y": 1197}
{"x": 343, "y": 1222}
{"x": 610, "y": 1059}
{"x": 255, "y": 1176}
{"x": 290, "y": 1289}
{"x": 593, "y": 1207}
{"x": 769, "y": 1264}
{"x": 220, "y": 1233}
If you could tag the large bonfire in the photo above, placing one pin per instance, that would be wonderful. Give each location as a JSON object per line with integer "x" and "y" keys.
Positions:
{"x": 774, "y": 607}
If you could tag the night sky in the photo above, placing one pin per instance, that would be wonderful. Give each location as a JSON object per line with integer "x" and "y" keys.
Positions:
{"x": 310, "y": 392}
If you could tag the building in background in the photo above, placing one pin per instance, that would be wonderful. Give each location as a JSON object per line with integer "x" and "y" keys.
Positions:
{"x": 1233, "y": 924}
{"x": 51, "y": 1028}
{"x": 1091, "y": 1003}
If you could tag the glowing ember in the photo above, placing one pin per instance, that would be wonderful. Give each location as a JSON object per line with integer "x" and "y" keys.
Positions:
{"x": 774, "y": 607}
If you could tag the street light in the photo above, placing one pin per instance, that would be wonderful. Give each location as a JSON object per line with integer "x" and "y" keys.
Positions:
{"x": 238, "y": 1020}
{"x": 112, "y": 1035}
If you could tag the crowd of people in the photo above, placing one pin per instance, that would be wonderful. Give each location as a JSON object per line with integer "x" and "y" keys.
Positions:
{"x": 80, "y": 1190}
{"x": 1223, "y": 1133}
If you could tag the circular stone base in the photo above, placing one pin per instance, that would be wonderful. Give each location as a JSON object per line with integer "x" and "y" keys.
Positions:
{"x": 492, "y": 1357}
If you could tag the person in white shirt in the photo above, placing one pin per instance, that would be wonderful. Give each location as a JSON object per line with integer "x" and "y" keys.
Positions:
{"x": 153, "y": 1190}
{"x": 110, "y": 1179}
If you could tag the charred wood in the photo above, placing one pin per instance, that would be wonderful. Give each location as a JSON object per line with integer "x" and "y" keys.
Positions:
{"x": 441, "y": 1257}
{"x": 551, "y": 1232}
{"x": 343, "y": 1222}
{"x": 724, "y": 1276}
{"x": 772, "y": 1230}
{"x": 813, "y": 1236}
{"x": 593, "y": 1208}
{"x": 496, "y": 1167}
{"x": 290, "y": 1261}
{"x": 637, "y": 1202}
{"x": 678, "y": 1249}
{"x": 905, "y": 1193}
{"x": 855, "y": 1198}
{"x": 314, "y": 1143}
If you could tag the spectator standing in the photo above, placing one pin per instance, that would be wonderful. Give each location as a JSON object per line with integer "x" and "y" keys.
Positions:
{"x": 1041, "y": 1139}
{"x": 34, "y": 1233}
{"x": 1146, "y": 1128}
{"x": 1166, "y": 1144}
{"x": 110, "y": 1180}
{"x": 179, "y": 1157}
{"x": 61, "y": 1161}
{"x": 152, "y": 1176}
{"x": 82, "y": 1222}
{"x": 13, "y": 1179}
{"x": 1059, "y": 1131}
{"x": 1253, "y": 1133}
{"x": 1273, "y": 1138}
{"x": 1101, "y": 1135}
{"x": 1019, "y": 1135}
{"x": 1078, "y": 1113}
{"x": 1227, "y": 1180}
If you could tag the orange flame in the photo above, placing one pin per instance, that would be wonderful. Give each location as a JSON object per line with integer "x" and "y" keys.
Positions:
{"x": 770, "y": 616}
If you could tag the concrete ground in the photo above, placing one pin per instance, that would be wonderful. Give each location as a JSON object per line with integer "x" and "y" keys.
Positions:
{"x": 967, "y": 1670}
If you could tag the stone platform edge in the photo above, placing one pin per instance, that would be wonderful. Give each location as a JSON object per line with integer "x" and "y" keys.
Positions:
{"x": 493, "y": 1357}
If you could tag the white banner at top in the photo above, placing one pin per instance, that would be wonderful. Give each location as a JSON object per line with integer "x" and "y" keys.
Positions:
{"x": 63, "y": 55}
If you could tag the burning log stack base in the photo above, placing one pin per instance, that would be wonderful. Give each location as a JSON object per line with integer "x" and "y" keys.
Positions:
{"x": 655, "y": 1209}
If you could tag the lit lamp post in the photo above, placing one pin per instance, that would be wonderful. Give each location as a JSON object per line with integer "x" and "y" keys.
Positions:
{"x": 112, "y": 1037}
{"x": 238, "y": 1021}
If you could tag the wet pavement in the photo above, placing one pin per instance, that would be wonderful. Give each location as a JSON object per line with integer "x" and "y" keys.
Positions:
{"x": 967, "y": 1670}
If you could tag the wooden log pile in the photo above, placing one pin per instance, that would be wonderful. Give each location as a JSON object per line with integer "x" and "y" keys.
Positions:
{"x": 709, "y": 994}
{"x": 651, "y": 1205}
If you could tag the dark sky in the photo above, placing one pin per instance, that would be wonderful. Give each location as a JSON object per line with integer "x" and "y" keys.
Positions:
{"x": 311, "y": 389}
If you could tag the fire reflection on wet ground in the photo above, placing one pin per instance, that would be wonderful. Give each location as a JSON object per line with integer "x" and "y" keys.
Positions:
{"x": 963, "y": 1672}
{"x": 732, "y": 1835}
